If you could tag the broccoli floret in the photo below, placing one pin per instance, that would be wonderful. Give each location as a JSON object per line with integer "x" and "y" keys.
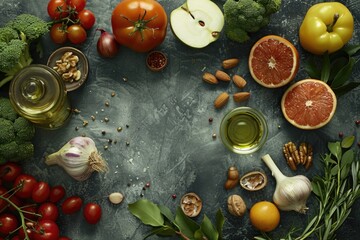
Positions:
{"x": 15, "y": 39}
{"x": 16, "y": 134}
{"x": 246, "y": 16}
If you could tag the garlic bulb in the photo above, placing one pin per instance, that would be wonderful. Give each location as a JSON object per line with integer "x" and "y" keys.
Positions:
{"x": 291, "y": 193}
{"x": 79, "y": 158}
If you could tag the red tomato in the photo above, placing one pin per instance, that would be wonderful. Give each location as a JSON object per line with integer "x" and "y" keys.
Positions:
{"x": 26, "y": 183}
{"x": 29, "y": 231}
{"x": 30, "y": 212}
{"x": 58, "y": 33}
{"x": 56, "y": 193}
{"x": 3, "y": 203}
{"x": 46, "y": 230}
{"x": 57, "y": 9}
{"x": 92, "y": 213}
{"x": 139, "y": 24}
{"x": 8, "y": 223}
{"x": 10, "y": 171}
{"x": 79, "y": 5}
{"x": 41, "y": 192}
{"x": 76, "y": 34}
{"x": 71, "y": 205}
{"x": 48, "y": 211}
{"x": 64, "y": 238}
{"x": 86, "y": 18}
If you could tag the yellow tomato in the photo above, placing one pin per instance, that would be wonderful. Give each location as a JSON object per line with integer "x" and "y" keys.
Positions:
{"x": 327, "y": 27}
{"x": 264, "y": 216}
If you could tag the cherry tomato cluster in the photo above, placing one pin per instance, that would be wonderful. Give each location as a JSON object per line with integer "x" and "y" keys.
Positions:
{"x": 70, "y": 20}
{"x": 30, "y": 208}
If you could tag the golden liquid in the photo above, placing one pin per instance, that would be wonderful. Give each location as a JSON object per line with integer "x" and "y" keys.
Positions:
{"x": 243, "y": 131}
{"x": 39, "y": 95}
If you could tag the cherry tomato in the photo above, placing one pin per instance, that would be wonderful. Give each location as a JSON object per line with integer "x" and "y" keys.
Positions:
{"x": 79, "y": 5}
{"x": 64, "y": 238}
{"x": 71, "y": 205}
{"x": 58, "y": 33}
{"x": 30, "y": 227}
{"x": 76, "y": 34}
{"x": 48, "y": 211}
{"x": 92, "y": 213}
{"x": 10, "y": 171}
{"x": 87, "y": 18}
{"x": 46, "y": 230}
{"x": 8, "y": 223}
{"x": 26, "y": 183}
{"x": 41, "y": 192}
{"x": 57, "y": 9}
{"x": 56, "y": 193}
{"x": 30, "y": 212}
{"x": 3, "y": 203}
{"x": 139, "y": 24}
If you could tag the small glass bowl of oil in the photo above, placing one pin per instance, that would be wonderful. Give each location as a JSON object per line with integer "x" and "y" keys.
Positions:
{"x": 243, "y": 130}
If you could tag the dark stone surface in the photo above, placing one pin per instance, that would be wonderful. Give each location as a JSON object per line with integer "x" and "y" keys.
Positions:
{"x": 169, "y": 135}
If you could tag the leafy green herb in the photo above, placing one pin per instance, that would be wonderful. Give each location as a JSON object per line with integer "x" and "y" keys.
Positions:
{"x": 165, "y": 224}
{"x": 336, "y": 191}
{"x": 335, "y": 69}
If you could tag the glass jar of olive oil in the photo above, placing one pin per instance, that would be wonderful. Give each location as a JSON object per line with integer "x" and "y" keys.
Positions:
{"x": 38, "y": 94}
{"x": 243, "y": 130}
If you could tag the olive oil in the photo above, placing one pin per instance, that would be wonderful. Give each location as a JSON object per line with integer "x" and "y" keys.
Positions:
{"x": 38, "y": 94}
{"x": 243, "y": 130}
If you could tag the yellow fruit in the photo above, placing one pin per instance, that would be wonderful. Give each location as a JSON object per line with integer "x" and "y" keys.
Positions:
{"x": 264, "y": 216}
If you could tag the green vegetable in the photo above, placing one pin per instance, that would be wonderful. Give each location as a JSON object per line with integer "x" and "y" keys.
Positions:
{"x": 166, "y": 225}
{"x": 336, "y": 191}
{"x": 15, "y": 39}
{"x": 16, "y": 134}
{"x": 247, "y": 16}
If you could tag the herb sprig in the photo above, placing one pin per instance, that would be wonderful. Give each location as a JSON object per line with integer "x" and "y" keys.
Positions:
{"x": 335, "y": 69}
{"x": 336, "y": 191}
{"x": 165, "y": 224}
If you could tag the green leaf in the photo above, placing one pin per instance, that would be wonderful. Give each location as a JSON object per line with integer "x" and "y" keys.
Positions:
{"x": 340, "y": 91}
{"x": 343, "y": 75}
{"x": 208, "y": 229}
{"x": 347, "y": 142}
{"x": 348, "y": 157}
{"x": 345, "y": 171}
{"x": 335, "y": 149}
{"x": 148, "y": 212}
{"x": 315, "y": 188}
{"x": 334, "y": 170}
{"x": 220, "y": 220}
{"x": 186, "y": 225}
{"x": 325, "y": 70}
{"x": 337, "y": 64}
{"x": 311, "y": 67}
{"x": 351, "y": 49}
{"x": 198, "y": 235}
{"x": 167, "y": 213}
{"x": 166, "y": 231}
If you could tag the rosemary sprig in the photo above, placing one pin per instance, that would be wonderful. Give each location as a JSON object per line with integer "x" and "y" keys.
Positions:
{"x": 336, "y": 191}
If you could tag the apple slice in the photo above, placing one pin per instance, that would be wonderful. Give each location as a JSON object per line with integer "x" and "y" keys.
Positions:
{"x": 197, "y": 23}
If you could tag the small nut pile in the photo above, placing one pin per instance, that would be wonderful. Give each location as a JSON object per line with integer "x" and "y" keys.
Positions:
{"x": 223, "y": 98}
{"x": 67, "y": 67}
{"x": 191, "y": 204}
{"x": 295, "y": 156}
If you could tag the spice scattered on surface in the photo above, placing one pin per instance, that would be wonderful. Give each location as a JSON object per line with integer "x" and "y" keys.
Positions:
{"x": 106, "y": 147}
{"x": 214, "y": 135}
{"x": 211, "y": 120}
{"x": 106, "y": 119}
{"x": 107, "y": 103}
{"x": 119, "y": 129}
{"x": 147, "y": 185}
{"x": 113, "y": 94}
{"x": 173, "y": 196}
{"x": 85, "y": 123}
{"x": 75, "y": 110}
{"x": 357, "y": 122}
{"x": 93, "y": 117}
{"x": 341, "y": 134}
{"x": 127, "y": 143}
{"x": 127, "y": 126}
{"x": 125, "y": 79}
{"x": 76, "y": 128}
{"x": 103, "y": 132}
{"x": 156, "y": 61}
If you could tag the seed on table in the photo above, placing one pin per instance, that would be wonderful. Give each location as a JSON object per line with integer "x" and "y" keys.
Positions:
{"x": 107, "y": 103}
{"x": 119, "y": 129}
{"x": 127, "y": 143}
{"x": 113, "y": 94}
{"x": 173, "y": 196}
{"x": 85, "y": 123}
{"x": 211, "y": 120}
{"x": 106, "y": 119}
{"x": 116, "y": 197}
{"x": 93, "y": 117}
{"x": 214, "y": 135}
{"x": 103, "y": 132}
{"x": 125, "y": 79}
{"x": 76, "y": 128}
{"x": 106, "y": 147}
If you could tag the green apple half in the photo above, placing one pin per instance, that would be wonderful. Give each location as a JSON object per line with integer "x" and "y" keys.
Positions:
{"x": 197, "y": 23}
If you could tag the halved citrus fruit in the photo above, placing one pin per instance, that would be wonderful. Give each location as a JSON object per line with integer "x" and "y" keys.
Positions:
{"x": 309, "y": 104}
{"x": 273, "y": 61}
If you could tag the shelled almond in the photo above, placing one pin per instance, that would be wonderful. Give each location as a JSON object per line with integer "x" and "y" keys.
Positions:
{"x": 210, "y": 78}
{"x": 230, "y": 63}
{"x": 241, "y": 96}
{"x": 221, "y": 100}
{"x": 239, "y": 81}
{"x": 222, "y": 76}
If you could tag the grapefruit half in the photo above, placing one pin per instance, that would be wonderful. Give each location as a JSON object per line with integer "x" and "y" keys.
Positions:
{"x": 309, "y": 104}
{"x": 273, "y": 61}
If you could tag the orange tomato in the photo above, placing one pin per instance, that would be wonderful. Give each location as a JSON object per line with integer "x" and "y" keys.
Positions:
{"x": 264, "y": 216}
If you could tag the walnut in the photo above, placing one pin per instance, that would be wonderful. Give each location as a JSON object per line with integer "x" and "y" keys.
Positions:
{"x": 236, "y": 205}
{"x": 66, "y": 66}
{"x": 191, "y": 204}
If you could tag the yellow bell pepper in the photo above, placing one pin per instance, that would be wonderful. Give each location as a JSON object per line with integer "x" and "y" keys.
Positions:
{"x": 326, "y": 27}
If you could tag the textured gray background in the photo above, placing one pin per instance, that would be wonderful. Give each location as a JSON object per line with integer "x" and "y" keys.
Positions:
{"x": 171, "y": 144}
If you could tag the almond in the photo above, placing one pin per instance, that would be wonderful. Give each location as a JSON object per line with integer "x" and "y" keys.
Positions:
{"x": 210, "y": 78}
{"x": 222, "y": 76}
{"x": 221, "y": 100}
{"x": 241, "y": 96}
{"x": 230, "y": 63}
{"x": 239, "y": 81}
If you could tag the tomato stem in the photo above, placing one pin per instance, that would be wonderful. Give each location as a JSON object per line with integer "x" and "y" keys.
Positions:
{"x": 330, "y": 27}
{"x": 140, "y": 24}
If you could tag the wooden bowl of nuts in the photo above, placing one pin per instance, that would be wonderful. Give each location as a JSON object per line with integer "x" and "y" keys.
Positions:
{"x": 71, "y": 64}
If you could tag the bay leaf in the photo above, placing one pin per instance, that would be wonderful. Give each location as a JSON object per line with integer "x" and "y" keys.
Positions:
{"x": 348, "y": 141}
{"x": 220, "y": 220}
{"x": 148, "y": 212}
{"x": 325, "y": 70}
{"x": 343, "y": 75}
{"x": 185, "y": 224}
{"x": 208, "y": 229}
{"x": 335, "y": 149}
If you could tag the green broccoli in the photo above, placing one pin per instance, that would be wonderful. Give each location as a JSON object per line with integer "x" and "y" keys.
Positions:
{"x": 16, "y": 135}
{"x": 247, "y": 16}
{"x": 15, "y": 39}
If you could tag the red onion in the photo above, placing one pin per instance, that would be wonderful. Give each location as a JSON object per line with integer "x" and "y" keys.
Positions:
{"x": 107, "y": 46}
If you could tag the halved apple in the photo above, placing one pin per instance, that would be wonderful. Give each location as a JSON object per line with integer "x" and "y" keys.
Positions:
{"x": 197, "y": 23}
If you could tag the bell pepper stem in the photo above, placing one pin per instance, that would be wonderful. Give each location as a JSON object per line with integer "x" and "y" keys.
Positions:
{"x": 331, "y": 26}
